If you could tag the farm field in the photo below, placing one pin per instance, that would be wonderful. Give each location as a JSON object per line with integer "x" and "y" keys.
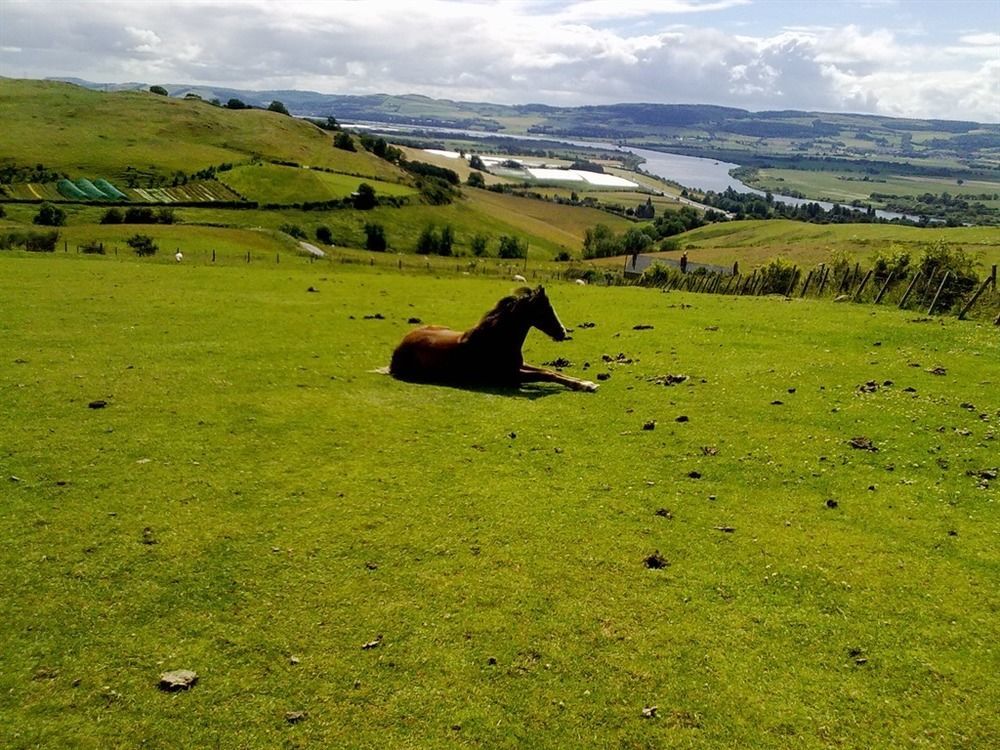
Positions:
{"x": 272, "y": 183}
{"x": 255, "y": 504}
{"x": 831, "y": 186}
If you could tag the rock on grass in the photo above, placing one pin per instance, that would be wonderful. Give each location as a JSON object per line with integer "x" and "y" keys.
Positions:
{"x": 178, "y": 679}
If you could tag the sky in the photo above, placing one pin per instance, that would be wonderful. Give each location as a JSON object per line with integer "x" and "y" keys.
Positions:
{"x": 904, "y": 58}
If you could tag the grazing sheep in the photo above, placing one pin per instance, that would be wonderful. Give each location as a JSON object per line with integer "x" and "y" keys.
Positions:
{"x": 581, "y": 282}
{"x": 519, "y": 277}
{"x": 179, "y": 256}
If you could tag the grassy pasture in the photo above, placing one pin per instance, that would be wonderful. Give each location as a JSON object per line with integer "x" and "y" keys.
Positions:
{"x": 753, "y": 243}
{"x": 828, "y": 185}
{"x": 271, "y": 183}
{"x": 253, "y": 493}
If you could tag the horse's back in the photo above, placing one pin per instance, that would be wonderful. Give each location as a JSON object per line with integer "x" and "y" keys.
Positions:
{"x": 429, "y": 353}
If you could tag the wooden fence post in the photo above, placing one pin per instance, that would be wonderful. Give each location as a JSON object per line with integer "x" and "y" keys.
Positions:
{"x": 861, "y": 286}
{"x": 944, "y": 280}
{"x": 795, "y": 278}
{"x": 823, "y": 280}
{"x": 906, "y": 294}
{"x": 927, "y": 288}
{"x": 885, "y": 287}
{"x": 968, "y": 305}
{"x": 805, "y": 287}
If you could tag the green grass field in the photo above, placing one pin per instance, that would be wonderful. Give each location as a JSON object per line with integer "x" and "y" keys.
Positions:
{"x": 831, "y": 185}
{"x": 79, "y": 131}
{"x": 255, "y": 504}
{"x": 754, "y": 243}
{"x": 270, "y": 183}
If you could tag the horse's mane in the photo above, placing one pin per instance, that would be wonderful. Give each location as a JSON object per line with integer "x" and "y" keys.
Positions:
{"x": 501, "y": 310}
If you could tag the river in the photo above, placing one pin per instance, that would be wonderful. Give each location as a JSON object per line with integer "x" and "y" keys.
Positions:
{"x": 692, "y": 172}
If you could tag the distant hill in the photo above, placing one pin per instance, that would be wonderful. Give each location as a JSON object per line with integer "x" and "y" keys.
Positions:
{"x": 692, "y": 128}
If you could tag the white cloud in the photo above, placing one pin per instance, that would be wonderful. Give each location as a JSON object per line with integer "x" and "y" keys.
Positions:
{"x": 592, "y": 51}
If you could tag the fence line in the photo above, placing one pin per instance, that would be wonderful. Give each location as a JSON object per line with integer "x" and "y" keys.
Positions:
{"x": 937, "y": 291}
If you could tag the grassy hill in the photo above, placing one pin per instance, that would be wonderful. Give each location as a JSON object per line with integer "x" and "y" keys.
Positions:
{"x": 83, "y": 132}
{"x": 756, "y": 242}
{"x": 139, "y": 135}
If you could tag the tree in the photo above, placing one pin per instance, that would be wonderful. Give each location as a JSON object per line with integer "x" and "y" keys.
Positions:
{"x": 478, "y": 245}
{"x": 427, "y": 242}
{"x": 477, "y": 163}
{"x": 447, "y": 240}
{"x": 278, "y": 107}
{"x": 344, "y": 141}
{"x": 511, "y": 247}
{"x": 142, "y": 244}
{"x": 364, "y": 198}
{"x": 635, "y": 241}
{"x": 236, "y": 104}
{"x": 331, "y": 124}
{"x": 158, "y": 90}
{"x": 324, "y": 235}
{"x": 476, "y": 180}
{"x": 375, "y": 237}
{"x": 50, "y": 216}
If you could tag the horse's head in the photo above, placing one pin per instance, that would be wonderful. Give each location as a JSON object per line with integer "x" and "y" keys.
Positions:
{"x": 543, "y": 317}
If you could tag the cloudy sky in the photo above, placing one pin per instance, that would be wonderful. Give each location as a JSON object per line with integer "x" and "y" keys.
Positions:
{"x": 913, "y": 58}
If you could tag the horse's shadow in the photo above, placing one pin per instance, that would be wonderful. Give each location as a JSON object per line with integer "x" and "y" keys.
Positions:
{"x": 528, "y": 391}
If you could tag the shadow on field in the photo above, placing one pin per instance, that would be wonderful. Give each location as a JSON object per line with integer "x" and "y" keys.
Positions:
{"x": 531, "y": 391}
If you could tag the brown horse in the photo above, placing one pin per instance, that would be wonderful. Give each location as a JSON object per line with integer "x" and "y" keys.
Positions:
{"x": 487, "y": 355}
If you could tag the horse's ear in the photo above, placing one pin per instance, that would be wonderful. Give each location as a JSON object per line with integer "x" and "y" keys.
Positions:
{"x": 523, "y": 291}
{"x": 540, "y": 291}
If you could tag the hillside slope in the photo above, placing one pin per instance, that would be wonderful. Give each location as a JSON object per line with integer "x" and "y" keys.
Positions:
{"x": 82, "y": 132}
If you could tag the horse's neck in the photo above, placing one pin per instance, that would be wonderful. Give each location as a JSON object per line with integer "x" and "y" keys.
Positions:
{"x": 508, "y": 333}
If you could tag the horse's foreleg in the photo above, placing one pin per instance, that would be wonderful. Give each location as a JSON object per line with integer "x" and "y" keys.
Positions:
{"x": 532, "y": 374}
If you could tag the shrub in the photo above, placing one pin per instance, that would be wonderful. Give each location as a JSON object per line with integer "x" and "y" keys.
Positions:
{"x": 113, "y": 216}
{"x": 432, "y": 170}
{"x": 50, "y": 216}
{"x": 158, "y": 90}
{"x": 563, "y": 256}
{"x": 344, "y": 141}
{"x": 658, "y": 274}
{"x": 364, "y": 197}
{"x": 777, "y": 276}
{"x": 375, "y": 237}
{"x": 139, "y": 215}
{"x": 324, "y": 235}
{"x": 142, "y": 244}
{"x": 92, "y": 248}
{"x": 939, "y": 259}
{"x": 35, "y": 242}
{"x": 294, "y": 230}
{"x": 894, "y": 260}
{"x": 3, "y": 211}
{"x": 476, "y": 180}
{"x": 435, "y": 191}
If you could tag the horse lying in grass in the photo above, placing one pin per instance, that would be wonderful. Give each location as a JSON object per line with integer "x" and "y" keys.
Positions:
{"x": 490, "y": 353}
